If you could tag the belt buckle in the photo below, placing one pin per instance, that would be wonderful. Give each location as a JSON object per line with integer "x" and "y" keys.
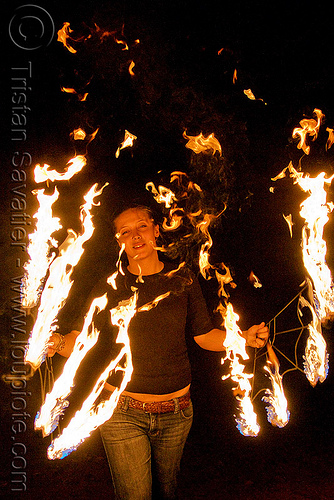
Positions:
{"x": 144, "y": 404}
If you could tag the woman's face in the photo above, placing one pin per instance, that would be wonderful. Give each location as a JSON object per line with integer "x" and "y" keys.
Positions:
{"x": 137, "y": 232}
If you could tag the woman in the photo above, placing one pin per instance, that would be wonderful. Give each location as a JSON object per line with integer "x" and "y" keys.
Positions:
{"x": 145, "y": 437}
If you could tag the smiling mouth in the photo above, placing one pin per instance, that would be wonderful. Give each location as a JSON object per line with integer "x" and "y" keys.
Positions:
{"x": 140, "y": 245}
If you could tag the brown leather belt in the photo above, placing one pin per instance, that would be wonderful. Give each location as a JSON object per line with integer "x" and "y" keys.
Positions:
{"x": 155, "y": 406}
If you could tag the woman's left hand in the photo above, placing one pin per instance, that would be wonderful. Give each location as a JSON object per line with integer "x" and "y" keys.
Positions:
{"x": 256, "y": 335}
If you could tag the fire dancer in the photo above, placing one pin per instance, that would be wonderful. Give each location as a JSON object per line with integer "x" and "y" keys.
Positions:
{"x": 145, "y": 437}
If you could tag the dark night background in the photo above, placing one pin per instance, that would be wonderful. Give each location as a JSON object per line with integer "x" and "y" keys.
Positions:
{"x": 284, "y": 55}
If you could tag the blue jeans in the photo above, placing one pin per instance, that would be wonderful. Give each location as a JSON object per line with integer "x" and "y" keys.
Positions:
{"x": 144, "y": 451}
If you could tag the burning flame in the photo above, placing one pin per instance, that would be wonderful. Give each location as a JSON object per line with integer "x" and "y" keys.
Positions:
{"x": 175, "y": 220}
{"x": 288, "y": 220}
{"x": 79, "y": 134}
{"x": 59, "y": 282}
{"x": 235, "y": 346}
{"x": 55, "y": 402}
{"x": 91, "y": 416}
{"x": 316, "y": 356}
{"x": 122, "y": 42}
{"x": 309, "y": 127}
{"x": 330, "y": 139}
{"x": 40, "y": 245}
{"x": 132, "y": 65}
{"x": 127, "y": 143}
{"x": 75, "y": 165}
{"x": 162, "y": 195}
{"x": 277, "y": 412}
{"x": 315, "y": 210}
{"x": 254, "y": 280}
{"x": 204, "y": 264}
{"x": 201, "y": 144}
{"x": 250, "y": 94}
{"x": 64, "y": 35}
{"x": 69, "y": 90}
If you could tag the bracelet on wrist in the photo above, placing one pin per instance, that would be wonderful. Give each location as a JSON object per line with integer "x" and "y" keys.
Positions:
{"x": 61, "y": 344}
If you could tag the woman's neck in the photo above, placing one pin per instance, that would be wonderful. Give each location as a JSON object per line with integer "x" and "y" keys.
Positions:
{"x": 145, "y": 268}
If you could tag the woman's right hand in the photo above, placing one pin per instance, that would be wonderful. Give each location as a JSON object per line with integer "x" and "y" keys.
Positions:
{"x": 62, "y": 344}
{"x": 53, "y": 342}
{"x": 56, "y": 344}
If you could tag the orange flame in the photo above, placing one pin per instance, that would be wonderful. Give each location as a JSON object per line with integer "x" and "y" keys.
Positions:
{"x": 75, "y": 165}
{"x": 64, "y": 37}
{"x": 55, "y": 402}
{"x": 127, "y": 143}
{"x": 80, "y": 135}
{"x": 68, "y": 90}
{"x": 234, "y": 343}
{"x": 201, "y": 144}
{"x": 162, "y": 195}
{"x": 122, "y": 42}
{"x": 316, "y": 356}
{"x": 254, "y": 280}
{"x": 251, "y": 96}
{"x": 91, "y": 416}
{"x": 235, "y": 346}
{"x": 330, "y": 139}
{"x": 277, "y": 412}
{"x": 314, "y": 211}
{"x": 132, "y": 65}
{"x": 288, "y": 219}
{"x": 175, "y": 220}
{"x": 309, "y": 127}
{"x": 59, "y": 282}
{"x": 40, "y": 244}
{"x": 204, "y": 264}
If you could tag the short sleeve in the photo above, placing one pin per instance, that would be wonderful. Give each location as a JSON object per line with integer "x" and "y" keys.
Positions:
{"x": 198, "y": 316}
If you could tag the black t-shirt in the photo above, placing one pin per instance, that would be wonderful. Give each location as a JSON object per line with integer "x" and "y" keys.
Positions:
{"x": 158, "y": 335}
